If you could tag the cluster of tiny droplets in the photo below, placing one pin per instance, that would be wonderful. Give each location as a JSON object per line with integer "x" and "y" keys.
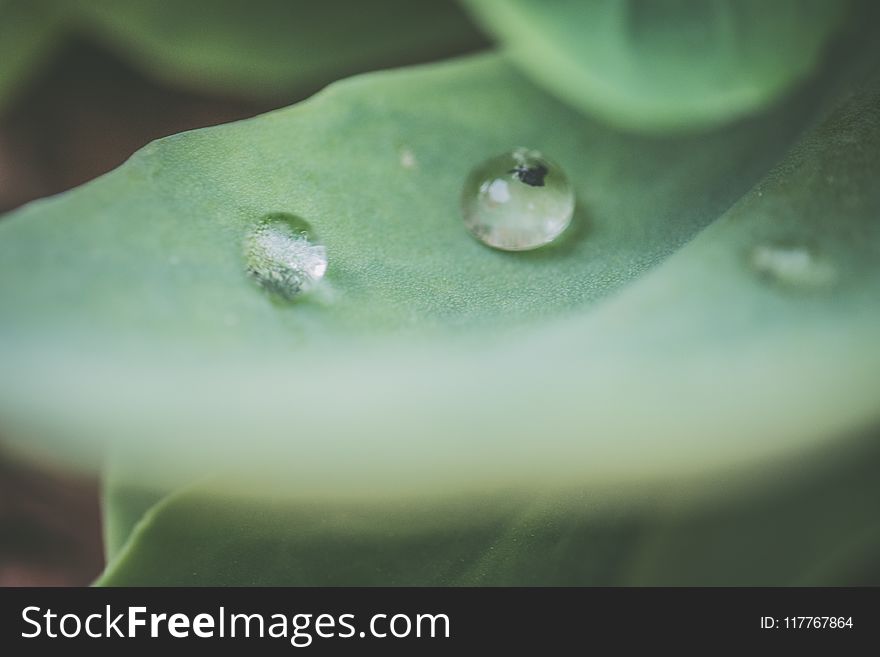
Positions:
{"x": 283, "y": 260}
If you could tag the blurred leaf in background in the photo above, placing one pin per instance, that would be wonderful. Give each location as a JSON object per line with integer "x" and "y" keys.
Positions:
{"x": 70, "y": 110}
{"x": 259, "y": 48}
{"x": 667, "y": 65}
{"x": 787, "y": 532}
{"x": 28, "y": 31}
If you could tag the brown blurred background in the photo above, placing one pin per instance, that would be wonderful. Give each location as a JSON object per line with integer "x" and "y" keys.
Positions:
{"x": 84, "y": 115}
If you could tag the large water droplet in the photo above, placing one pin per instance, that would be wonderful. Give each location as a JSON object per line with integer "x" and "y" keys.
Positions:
{"x": 793, "y": 265}
{"x": 282, "y": 255}
{"x": 517, "y": 201}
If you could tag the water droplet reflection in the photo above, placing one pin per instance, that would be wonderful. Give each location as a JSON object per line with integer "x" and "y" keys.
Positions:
{"x": 517, "y": 201}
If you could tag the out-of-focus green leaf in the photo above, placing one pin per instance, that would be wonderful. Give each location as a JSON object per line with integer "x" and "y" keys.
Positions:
{"x": 221, "y": 540}
{"x": 123, "y": 507}
{"x": 667, "y": 64}
{"x": 252, "y": 48}
{"x": 817, "y": 527}
{"x": 272, "y": 47}
{"x": 28, "y": 30}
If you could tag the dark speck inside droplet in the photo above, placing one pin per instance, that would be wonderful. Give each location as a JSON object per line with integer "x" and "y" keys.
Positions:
{"x": 517, "y": 201}
{"x": 531, "y": 175}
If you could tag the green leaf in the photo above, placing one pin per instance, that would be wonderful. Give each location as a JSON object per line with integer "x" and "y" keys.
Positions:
{"x": 649, "y": 348}
{"x": 814, "y": 524}
{"x": 817, "y": 527}
{"x": 258, "y": 48}
{"x": 473, "y": 540}
{"x": 142, "y": 271}
{"x": 272, "y": 47}
{"x": 667, "y": 65}
{"x": 123, "y": 507}
{"x": 28, "y": 31}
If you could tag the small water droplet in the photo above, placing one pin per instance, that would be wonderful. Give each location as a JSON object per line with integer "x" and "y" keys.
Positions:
{"x": 408, "y": 159}
{"x": 283, "y": 256}
{"x": 793, "y": 265}
{"x": 517, "y": 201}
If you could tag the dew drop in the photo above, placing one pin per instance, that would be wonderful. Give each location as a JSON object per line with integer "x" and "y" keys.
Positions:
{"x": 283, "y": 257}
{"x": 408, "y": 159}
{"x": 517, "y": 201}
{"x": 793, "y": 265}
